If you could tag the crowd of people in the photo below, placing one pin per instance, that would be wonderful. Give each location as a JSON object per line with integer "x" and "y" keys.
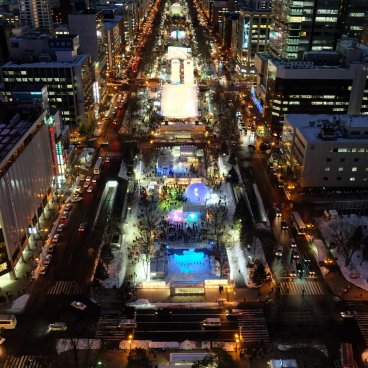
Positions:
{"x": 183, "y": 231}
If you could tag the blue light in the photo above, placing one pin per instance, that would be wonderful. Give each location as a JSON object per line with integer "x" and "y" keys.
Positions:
{"x": 255, "y": 100}
{"x": 190, "y": 262}
{"x": 192, "y": 217}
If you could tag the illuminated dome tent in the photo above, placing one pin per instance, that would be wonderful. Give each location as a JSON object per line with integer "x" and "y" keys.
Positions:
{"x": 176, "y": 9}
{"x": 196, "y": 193}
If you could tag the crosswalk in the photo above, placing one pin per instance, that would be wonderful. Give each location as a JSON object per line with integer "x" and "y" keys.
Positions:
{"x": 297, "y": 287}
{"x": 361, "y": 318}
{"x": 108, "y": 328}
{"x": 253, "y": 326}
{"x": 67, "y": 287}
{"x": 26, "y": 361}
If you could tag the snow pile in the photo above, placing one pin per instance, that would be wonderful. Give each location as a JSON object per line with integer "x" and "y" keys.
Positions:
{"x": 357, "y": 271}
{"x": 163, "y": 345}
{"x": 188, "y": 345}
{"x": 64, "y": 345}
{"x": 142, "y": 304}
{"x": 19, "y": 304}
{"x": 145, "y": 304}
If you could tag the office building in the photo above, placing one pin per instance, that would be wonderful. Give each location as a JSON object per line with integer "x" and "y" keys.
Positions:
{"x": 89, "y": 26}
{"x": 327, "y": 150}
{"x": 352, "y": 17}
{"x": 321, "y": 84}
{"x": 253, "y": 32}
{"x": 300, "y": 26}
{"x": 114, "y": 45}
{"x": 36, "y": 14}
{"x": 26, "y": 175}
{"x": 68, "y": 77}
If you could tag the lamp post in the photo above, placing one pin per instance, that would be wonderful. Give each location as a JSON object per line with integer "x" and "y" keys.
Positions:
{"x": 130, "y": 337}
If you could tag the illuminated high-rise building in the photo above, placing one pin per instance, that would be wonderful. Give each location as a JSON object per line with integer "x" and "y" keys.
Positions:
{"x": 300, "y": 26}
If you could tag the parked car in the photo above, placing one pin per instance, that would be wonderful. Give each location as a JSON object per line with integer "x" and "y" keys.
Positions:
{"x": 47, "y": 259}
{"x": 56, "y": 238}
{"x": 51, "y": 248}
{"x": 60, "y": 228}
{"x": 90, "y": 189}
{"x": 68, "y": 207}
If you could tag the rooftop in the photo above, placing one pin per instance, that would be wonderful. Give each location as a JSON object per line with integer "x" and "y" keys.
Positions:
{"x": 77, "y": 61}
{"x": 15, "y": 120}
{"x": 314, "y": 128}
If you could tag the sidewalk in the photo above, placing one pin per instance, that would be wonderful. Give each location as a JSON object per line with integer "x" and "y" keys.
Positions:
{"x": 11, "y": 289}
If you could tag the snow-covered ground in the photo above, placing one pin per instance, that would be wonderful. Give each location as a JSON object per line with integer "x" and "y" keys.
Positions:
{"x": 64, "y": 345}
{"x": 19, "y": 304}
{"x": 146, "y": 304}
{"x": 357, "y": 271}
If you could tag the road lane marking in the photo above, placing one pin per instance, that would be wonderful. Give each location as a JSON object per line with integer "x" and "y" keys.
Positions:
{"x": 70, "y": 258}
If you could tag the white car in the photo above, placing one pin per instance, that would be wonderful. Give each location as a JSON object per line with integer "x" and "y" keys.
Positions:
{"x": 78, "y": 305}
{"x": 56, "y": 238}
{"x": 51, "y": 248}
{"x": 279, "y": 250}
{"x": 90, "y": 189}
{"x": 107, "y": 160}
{"x": 94, "y": 180}
{"x": 57, "y": 326}
{"x": 86, "y": 184}
{"x": 76, "y": 199}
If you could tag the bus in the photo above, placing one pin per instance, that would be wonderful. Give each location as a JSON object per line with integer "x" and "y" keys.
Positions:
{"x": 98, "y": 166}
{"x": 7, "y": 321}
{"x": 298, "y": 223}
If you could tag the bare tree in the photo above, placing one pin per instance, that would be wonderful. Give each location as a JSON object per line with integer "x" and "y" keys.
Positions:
{"x": 218, "y": 231}
{"x": 347, "y": 237}
{"x": 148, "y": 231}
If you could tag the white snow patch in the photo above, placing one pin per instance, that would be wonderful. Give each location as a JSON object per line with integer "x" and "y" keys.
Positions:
{"x": 64, "y": 345}
{"x": 19, "y": 304}
{"x": 145, "y": 304}
{"x": 357, "y": 268}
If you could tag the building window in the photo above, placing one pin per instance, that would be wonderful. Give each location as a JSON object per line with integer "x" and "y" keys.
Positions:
{"x": 327, "y": 168}
{"x": 328, "y": 160}
{"x": 356, "y": 159}
{"x": 341, "y": 169}
{"x": 342, "y": 160}
{"x": 354, "y": 168}
{"x": 325, "y": 178}
{"x": 352, "y": 178}
{"x": 338, "y": 178}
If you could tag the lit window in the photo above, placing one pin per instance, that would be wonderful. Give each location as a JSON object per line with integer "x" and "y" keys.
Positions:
{"x": 352, "y": 178}
{"x": 341, "y": 169}
{"x": 354, "y": 168}
{"x": 327, "y": 168}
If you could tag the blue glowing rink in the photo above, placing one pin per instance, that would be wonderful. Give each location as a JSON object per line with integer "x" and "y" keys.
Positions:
{"x": 189, "y": 264}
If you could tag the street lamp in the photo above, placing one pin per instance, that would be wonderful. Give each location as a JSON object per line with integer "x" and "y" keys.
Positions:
{"x": 130, "y": 337}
